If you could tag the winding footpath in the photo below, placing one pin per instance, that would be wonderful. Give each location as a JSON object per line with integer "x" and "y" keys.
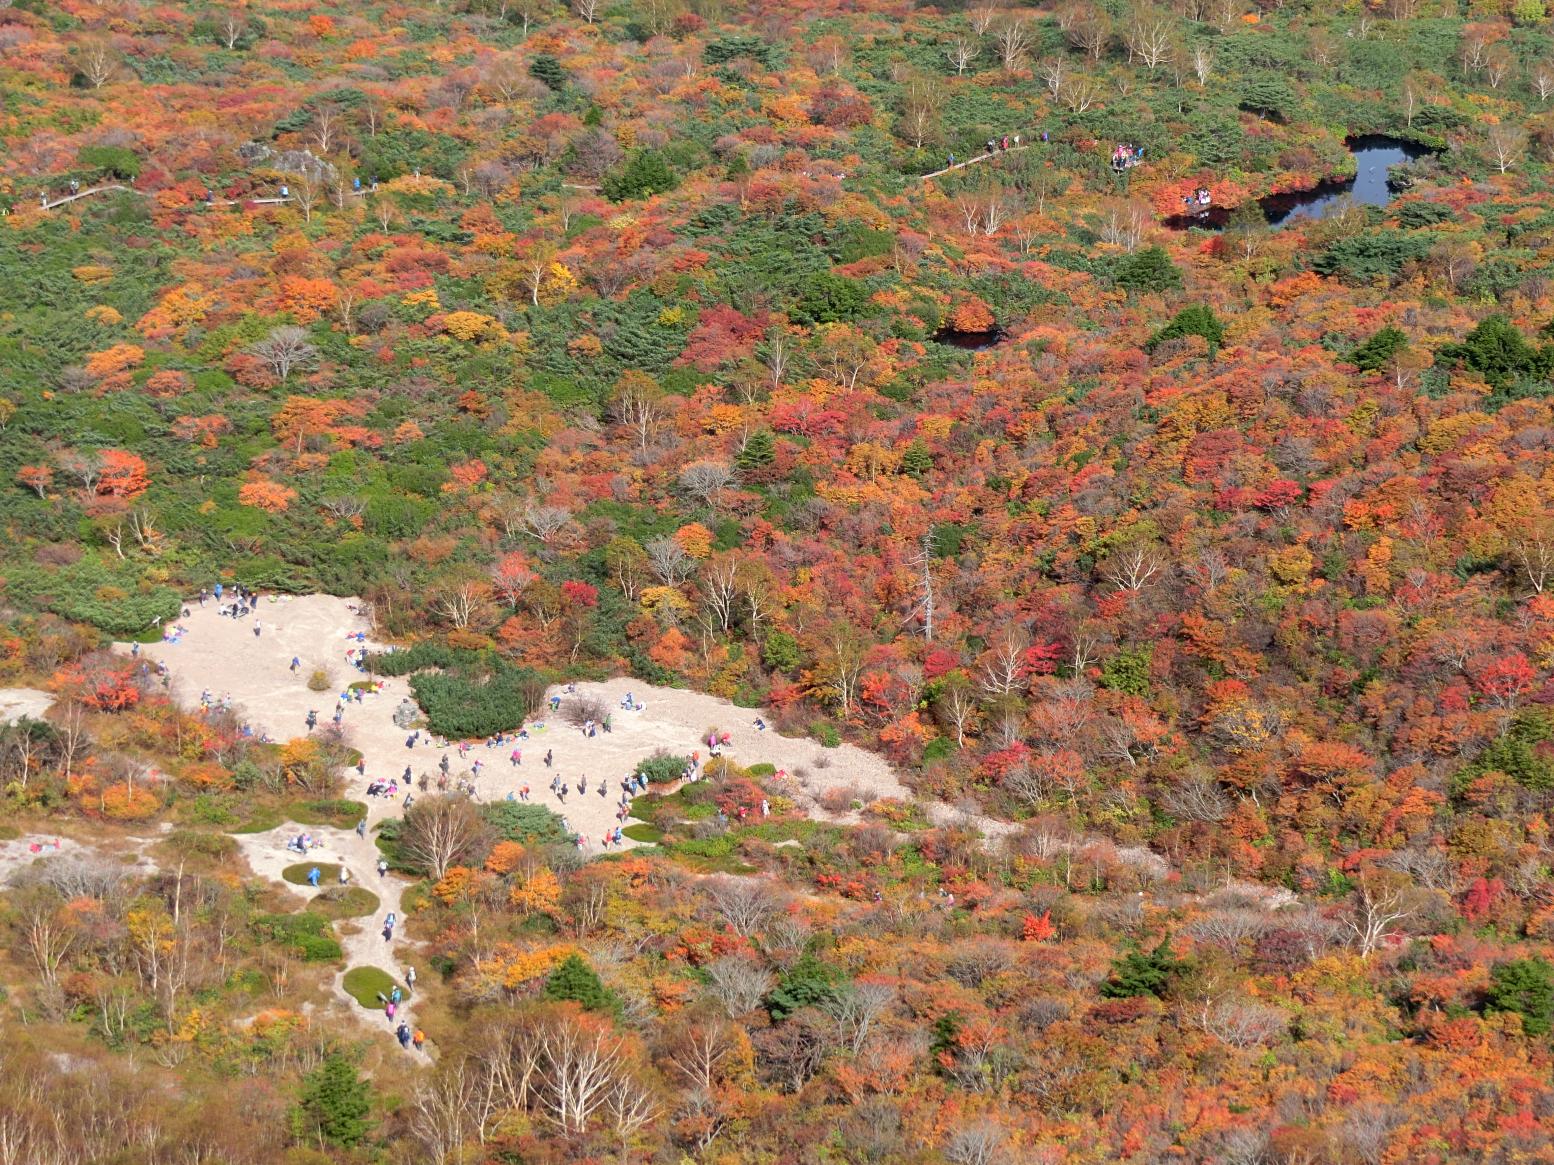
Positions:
{"x": 361, "y": 939}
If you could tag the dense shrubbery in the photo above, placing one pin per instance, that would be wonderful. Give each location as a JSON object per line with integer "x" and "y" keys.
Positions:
{"x": 470, "y": 693}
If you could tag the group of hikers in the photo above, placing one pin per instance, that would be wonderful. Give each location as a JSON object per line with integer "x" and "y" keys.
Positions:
{"x": 994, "y": 146}
{"x": 1199, "y": 201}
{"x": 1126, "y": 156}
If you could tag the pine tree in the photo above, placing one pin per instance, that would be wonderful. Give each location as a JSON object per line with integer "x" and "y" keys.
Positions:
{"x": 575, "y": 981}
{"x": 1525, "y": 986}
{"x": 334, "y": 1104}
{"x": 759, "y": 451}
{"x": 916, "y": 459}
{"x": 1140, "y": 973}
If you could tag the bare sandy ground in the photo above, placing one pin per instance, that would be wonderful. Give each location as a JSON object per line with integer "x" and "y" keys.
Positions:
{"x": 223, "y": 658}
{"x": 18, "y": 702}
{"x": 21, "y": 854}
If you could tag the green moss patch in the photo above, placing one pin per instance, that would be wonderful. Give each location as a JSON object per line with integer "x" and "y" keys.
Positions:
{"x": 364, "y": 984}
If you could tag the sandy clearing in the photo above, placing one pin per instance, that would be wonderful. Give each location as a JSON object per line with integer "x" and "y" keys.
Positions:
{"x": 18, "y": 702}
{"x": 21, "y": 854}
{"x": 222, "y": 658}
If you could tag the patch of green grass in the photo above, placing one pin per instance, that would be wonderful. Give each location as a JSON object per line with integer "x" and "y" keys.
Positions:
{"x": 364, "y": 983}
{"x": 345, "y": 902}
{"x": 414, "y": 897}
{"x": 262, "y": 821}
{"x": 762, "y": 769}
{"x": 649, "y": 834}
{"x": 297, "y": 875}
{"x": 308, "y": 936}
{"x": 340, "y": 814}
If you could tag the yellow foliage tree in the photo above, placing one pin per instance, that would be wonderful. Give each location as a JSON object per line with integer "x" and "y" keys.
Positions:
{"x": 538, "y": 892}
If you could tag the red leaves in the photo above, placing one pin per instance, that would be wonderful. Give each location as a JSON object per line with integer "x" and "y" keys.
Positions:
{"x": 123, "y": 475}
{"x": 580, "y": 594}
{"x": 104, "y": 684}
{"x": 1504, "y": 679}
{"x": 1041, "y": 659}
{"x": 1038, "y": 928}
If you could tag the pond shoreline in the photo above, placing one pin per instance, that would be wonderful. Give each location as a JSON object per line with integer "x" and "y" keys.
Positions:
{"x": 1374, "y": 156}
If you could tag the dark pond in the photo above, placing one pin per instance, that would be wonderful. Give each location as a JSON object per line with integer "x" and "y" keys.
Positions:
{"x": 971, "y": 341}
{"x": 1374, "y": 156}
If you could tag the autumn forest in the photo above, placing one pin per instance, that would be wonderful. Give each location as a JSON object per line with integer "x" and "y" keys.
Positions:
{"x": 1130, "y": 500}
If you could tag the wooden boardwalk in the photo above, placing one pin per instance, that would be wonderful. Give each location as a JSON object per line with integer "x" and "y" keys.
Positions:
{"x": 115, "y": 186}
{"x": 979, "y": 158}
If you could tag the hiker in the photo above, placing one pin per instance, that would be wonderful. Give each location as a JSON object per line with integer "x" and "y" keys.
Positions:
{"x": 443, "y": 764}
{"x": 396, "y": 995}
{"x": 950, "y": 161}
{"x": 760, "y": 725}
{"x": 312, "y": 720}
{"x": 547, "y": 758}
{"x": 295, "y": 661}
{"x": 256, "y": 628}
{"x": 766, "y": 807}
{"x": 389, "y": 1009}
{"x": 418, "y": 1039}
{"x": 410, "y": 978}
{"x": 345, "y": 875}
{"x": 382, "y": 867}
{"x": 402, "y": 1034}
{"x": 361, "y": 828}
{"x": 313, "y": 876}
{"x": 285, "y": 191}
{"x": 516, "y": 758}
{"x": 582, "y": 784}
{"x": 523, "y": 793}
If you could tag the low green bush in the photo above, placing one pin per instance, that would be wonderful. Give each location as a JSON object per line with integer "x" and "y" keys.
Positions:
{"x": 306, "y": 935}
{"x": 662, "y": 767}
{"x": 339, "y": 902}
